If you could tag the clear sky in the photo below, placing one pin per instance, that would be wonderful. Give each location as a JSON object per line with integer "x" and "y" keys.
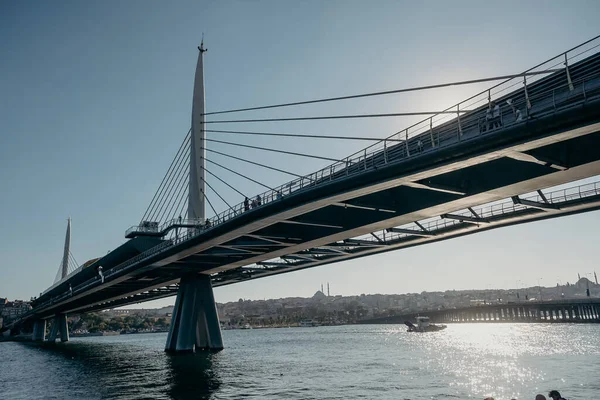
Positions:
{"x": 95, "y": 99}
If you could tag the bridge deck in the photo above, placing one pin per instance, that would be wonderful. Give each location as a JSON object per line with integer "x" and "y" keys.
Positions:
{"x": 455, "y": 165}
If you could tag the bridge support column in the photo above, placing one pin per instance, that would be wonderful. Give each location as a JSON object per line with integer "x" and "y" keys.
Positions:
{"x": 195, "y": 324}
{"x": 39, "y": 330}
{"x": 59, "y": 325}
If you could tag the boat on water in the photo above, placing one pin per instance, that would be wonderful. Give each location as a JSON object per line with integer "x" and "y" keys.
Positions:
{"x": 423, "y": 325}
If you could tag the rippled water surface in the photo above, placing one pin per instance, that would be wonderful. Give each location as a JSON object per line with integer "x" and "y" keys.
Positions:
{"x": 344, "y": 362}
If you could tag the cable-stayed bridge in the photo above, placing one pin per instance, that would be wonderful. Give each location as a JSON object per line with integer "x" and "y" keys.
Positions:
{"x": 484, "y": 163}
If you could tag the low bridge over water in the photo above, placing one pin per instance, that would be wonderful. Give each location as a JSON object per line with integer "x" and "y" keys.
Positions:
{"x": 576, "y": 310}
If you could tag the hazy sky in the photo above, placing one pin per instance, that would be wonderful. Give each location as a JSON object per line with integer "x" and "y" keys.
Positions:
{"x": 95, "y": 99}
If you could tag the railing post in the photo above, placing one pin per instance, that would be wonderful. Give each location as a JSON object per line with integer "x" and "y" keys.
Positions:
{"x": 365, "y": 159}
{"x": 406, "y": 141}
{"x": 347, "y": 166}
{"x": 385, "y": 160}
{"x": 571, "y": 88}
{"x": 431, "y": 132}
{"x": 459, "y": 125}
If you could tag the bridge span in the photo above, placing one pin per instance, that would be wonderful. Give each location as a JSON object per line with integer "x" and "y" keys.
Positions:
{"x": 572, "y": 311}
{"x": 448, "y": 176}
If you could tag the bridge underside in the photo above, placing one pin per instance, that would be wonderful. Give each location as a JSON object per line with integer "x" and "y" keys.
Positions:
{"x": 408, "y": 211}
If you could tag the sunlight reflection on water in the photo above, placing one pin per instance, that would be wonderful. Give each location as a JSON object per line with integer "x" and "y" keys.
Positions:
{"x": 344, "y": 362}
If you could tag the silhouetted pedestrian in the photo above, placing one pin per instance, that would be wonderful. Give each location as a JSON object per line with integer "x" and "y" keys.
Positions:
{"x": 493, "y": 115}
{"x": 258, "y": 200}
{"x": 555, "y": 395}
{"x": 246, "y": 204}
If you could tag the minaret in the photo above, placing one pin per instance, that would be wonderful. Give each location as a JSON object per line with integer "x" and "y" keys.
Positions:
{"x": 327, "y": 289}
{"x": 64, "y": 270}
{"x": 596, "y": 277}
{"x": 197, "y": 185}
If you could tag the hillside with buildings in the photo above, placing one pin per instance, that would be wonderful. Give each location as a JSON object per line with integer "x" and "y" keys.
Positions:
{"x": 320, "y": 308}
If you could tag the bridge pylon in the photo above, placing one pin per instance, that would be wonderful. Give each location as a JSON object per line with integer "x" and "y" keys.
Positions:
{"x": 195, "y": 323}
{"x": 39, "y": 330}
{"x": 59, "y": 325}
{"x": 197, "y": 184}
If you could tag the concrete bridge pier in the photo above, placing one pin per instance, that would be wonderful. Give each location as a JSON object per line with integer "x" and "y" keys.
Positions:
{"x": 39, "y": 330}
{"x": 59, "y": 326}
{"x": 195, "y": 324}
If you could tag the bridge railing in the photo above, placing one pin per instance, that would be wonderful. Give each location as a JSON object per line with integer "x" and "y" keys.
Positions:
{"x": 454, "y": 124}
{"x": 498, "y": 209}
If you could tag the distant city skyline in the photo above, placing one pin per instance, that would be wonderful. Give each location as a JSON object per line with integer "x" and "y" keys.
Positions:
{"x": 96, "y": 99}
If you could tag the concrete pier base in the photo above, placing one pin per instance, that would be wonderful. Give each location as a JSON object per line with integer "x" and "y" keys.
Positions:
{"x": 59, "y": 326}
{"x": 39, "y": 330}
{"x": 195, "y": 323}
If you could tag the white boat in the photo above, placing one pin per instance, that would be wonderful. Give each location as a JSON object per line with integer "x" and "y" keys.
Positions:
{"x": 423, "y": 325}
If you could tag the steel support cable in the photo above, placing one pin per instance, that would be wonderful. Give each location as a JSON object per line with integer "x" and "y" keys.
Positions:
{"x": 237, "y": 173}
{"x": 351, "y": 116}
{"x": 274, "y": 150}
{"x": 217, "y": 193}
{"x": 176, "y": 171}
{"x": 240, "y": 193}
{"x": 183, "y": 211}
{"x": 178, "y": 160}
{"x": 165, "y": 177}
{"x": 302, "y": 135}
{"x": 58, "y": 276}
{"x": 210, "y": 204}
{"x": 258, "y": 164}
{"x": 73, "y": 258}
{"x": 382, "y": 93}
{"x": 179, "y": 203}
{"x": 182, "y": 188}
{"x": 181, "y": 163}
{"x": 71, "y": 266}
{"x": 182, "y": 181}
{"x": 178, "y": 197}
{"x": 179, "y": 182}
{"x": 524, "y": 73}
